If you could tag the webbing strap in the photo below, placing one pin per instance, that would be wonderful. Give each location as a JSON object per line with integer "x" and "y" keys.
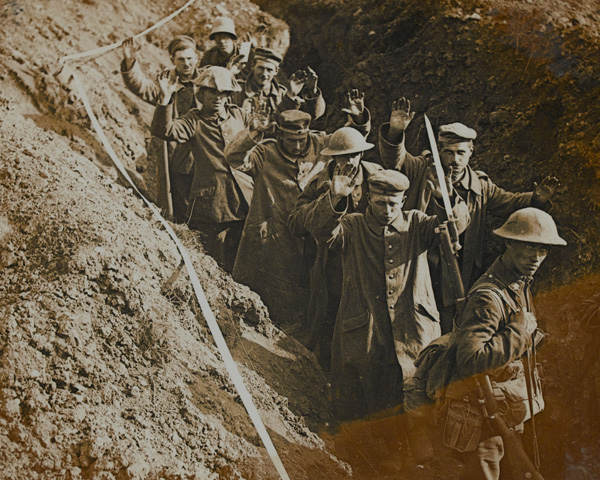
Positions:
{"x": 230, "y": 364}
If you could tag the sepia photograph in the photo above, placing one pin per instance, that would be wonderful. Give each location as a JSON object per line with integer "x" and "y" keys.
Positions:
{"x": 299, "y": 240}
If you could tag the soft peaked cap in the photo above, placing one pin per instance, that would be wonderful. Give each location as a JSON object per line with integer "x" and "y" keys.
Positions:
{"x": 294, "y": 122}
{"x": 456, "y": 133}
{"x": 181, "y": 42}
{"x": 388, "y": 182}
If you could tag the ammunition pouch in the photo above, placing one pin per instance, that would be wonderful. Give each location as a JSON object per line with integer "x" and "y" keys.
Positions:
{"x": 463, "y": 425}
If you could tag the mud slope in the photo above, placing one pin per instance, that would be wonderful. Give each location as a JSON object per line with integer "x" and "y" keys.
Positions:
{"x": 105, "y": 375}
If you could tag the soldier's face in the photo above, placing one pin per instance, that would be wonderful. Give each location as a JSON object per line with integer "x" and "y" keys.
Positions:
{"x": 293, "y": 144}
{"x": 348, "y": 160}
{"x": 212, "y": 100}
{"x": 185, "y": 61}
{"x": 455, "y": 158}
{"x": 386, "y": 208}
{"x": 224, "y": 43}
{"x": 525, "y": 257}
{"x": 264, "y": 72}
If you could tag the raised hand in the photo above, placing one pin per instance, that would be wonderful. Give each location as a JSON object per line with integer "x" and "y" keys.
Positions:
{"x": 543, "y": 192}
{"x": 311, "y": 81}
{"x": 343, "y": 181}
{"x": 297, "y": 82}
{"x": 355, "y": 103}
{"x": 167, "y": 82}
{"x": 261, "y": 118}
{"x": 129, "y": 49}
{"x": 236, "y": 64}
{"x": 401, "y": 115}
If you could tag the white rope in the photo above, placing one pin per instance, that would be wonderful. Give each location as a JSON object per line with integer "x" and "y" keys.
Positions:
{"x": 230, "y": 364}
{"x": 108, "y": 48}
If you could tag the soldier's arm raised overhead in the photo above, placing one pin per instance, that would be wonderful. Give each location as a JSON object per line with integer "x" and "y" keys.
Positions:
{"x": 164, "y": 126}
{"x": 135, "y": 79}
{"x": 359, "y": 116}
{"x": 324, "y": 220}
{"x": 392, "y": 136}
{"x": 239, "y": 152}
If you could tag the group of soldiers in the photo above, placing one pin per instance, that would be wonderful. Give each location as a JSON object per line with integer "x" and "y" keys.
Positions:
{"x": 344, "y": 252}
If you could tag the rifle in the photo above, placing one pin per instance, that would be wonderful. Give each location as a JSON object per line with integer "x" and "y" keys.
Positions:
{"x": 454, "y": 293}
{"x": 520, "y": 463}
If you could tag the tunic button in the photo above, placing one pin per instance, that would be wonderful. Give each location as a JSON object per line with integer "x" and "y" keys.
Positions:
{"x": 391, "y": 292}
{"x": 391, "y": 276}
{"x": 390, "y": 246}
{"x": 391, "y": 307}
{"x": 391, "y": 260}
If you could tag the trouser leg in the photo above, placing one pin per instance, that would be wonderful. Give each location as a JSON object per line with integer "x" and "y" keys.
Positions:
{"x": 221, "y": 241}
{"x": 484, "y": 462}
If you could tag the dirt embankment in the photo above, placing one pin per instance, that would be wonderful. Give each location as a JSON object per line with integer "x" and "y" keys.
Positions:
{"x": 105, "y": 373}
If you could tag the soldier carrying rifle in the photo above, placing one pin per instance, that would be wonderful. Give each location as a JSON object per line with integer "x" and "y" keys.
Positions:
{"x": 495, "y": 339}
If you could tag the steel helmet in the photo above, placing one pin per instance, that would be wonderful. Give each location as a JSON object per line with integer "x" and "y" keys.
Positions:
{"x": 223, "y": 25}
{"x": 346, "y": 140}
{"x": 530, "y": 225}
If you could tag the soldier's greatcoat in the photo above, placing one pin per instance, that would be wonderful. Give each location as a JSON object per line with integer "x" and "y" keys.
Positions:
{"x": 271, "y": 259}
{"x": 326, "y": 272}
{"x": 387, "y": 312}
{"x": 180, "y": 156}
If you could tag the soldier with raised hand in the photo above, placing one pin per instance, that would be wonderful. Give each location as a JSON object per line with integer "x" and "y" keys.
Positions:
{"x": 387, "y": 312}
{"x": 346, "y": 148}
{"x": 182, "y": 50}
{"x": 495, "y": 332}
{"x": 271, "y": 259}
{"x": 302, "y": 93}
{"x": 456, "y": 145}
{"x": 218, "y": 206}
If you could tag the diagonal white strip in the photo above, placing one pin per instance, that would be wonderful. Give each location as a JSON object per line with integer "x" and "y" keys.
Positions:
{"x": 230, "y": 364}
{"x": 108, "y": 48}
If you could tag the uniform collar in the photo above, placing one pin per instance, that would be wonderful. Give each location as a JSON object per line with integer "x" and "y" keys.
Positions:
{"x": 218, "y": 119}
{"x": 507, "y": 276}
{"x": 470, "y": 181}
{"x": 272, "y": 91}
{"x": 398, "y": 225}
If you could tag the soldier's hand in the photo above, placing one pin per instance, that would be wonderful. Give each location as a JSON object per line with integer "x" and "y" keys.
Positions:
{"x": 543, "y": 192}
{"x": 343, "y": 182}
{"x": 129, "y": 49}
{"x": 167, "y": 82}
{"x": 261, "y": 118}
{"x": 311, "y": 81}
{"x": 296, "y": 83}
{"x": 434, "y": 184}
{"x": 236, "y": 64}
{"x": 355, "y": 103}
{"x": 401, "y": 116}
{"x": 526, "y": 320}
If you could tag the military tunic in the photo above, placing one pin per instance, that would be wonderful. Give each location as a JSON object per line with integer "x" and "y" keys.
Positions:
{"x": 215, "y": 196}
{"x": 489, "y": 341}
{"x": 180, "y": 157}
{"x": 271, "y": 259}
{"x": 326, "y": 272}
{"x": 479, "y": 192}
{"x": 387, "y": 312}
